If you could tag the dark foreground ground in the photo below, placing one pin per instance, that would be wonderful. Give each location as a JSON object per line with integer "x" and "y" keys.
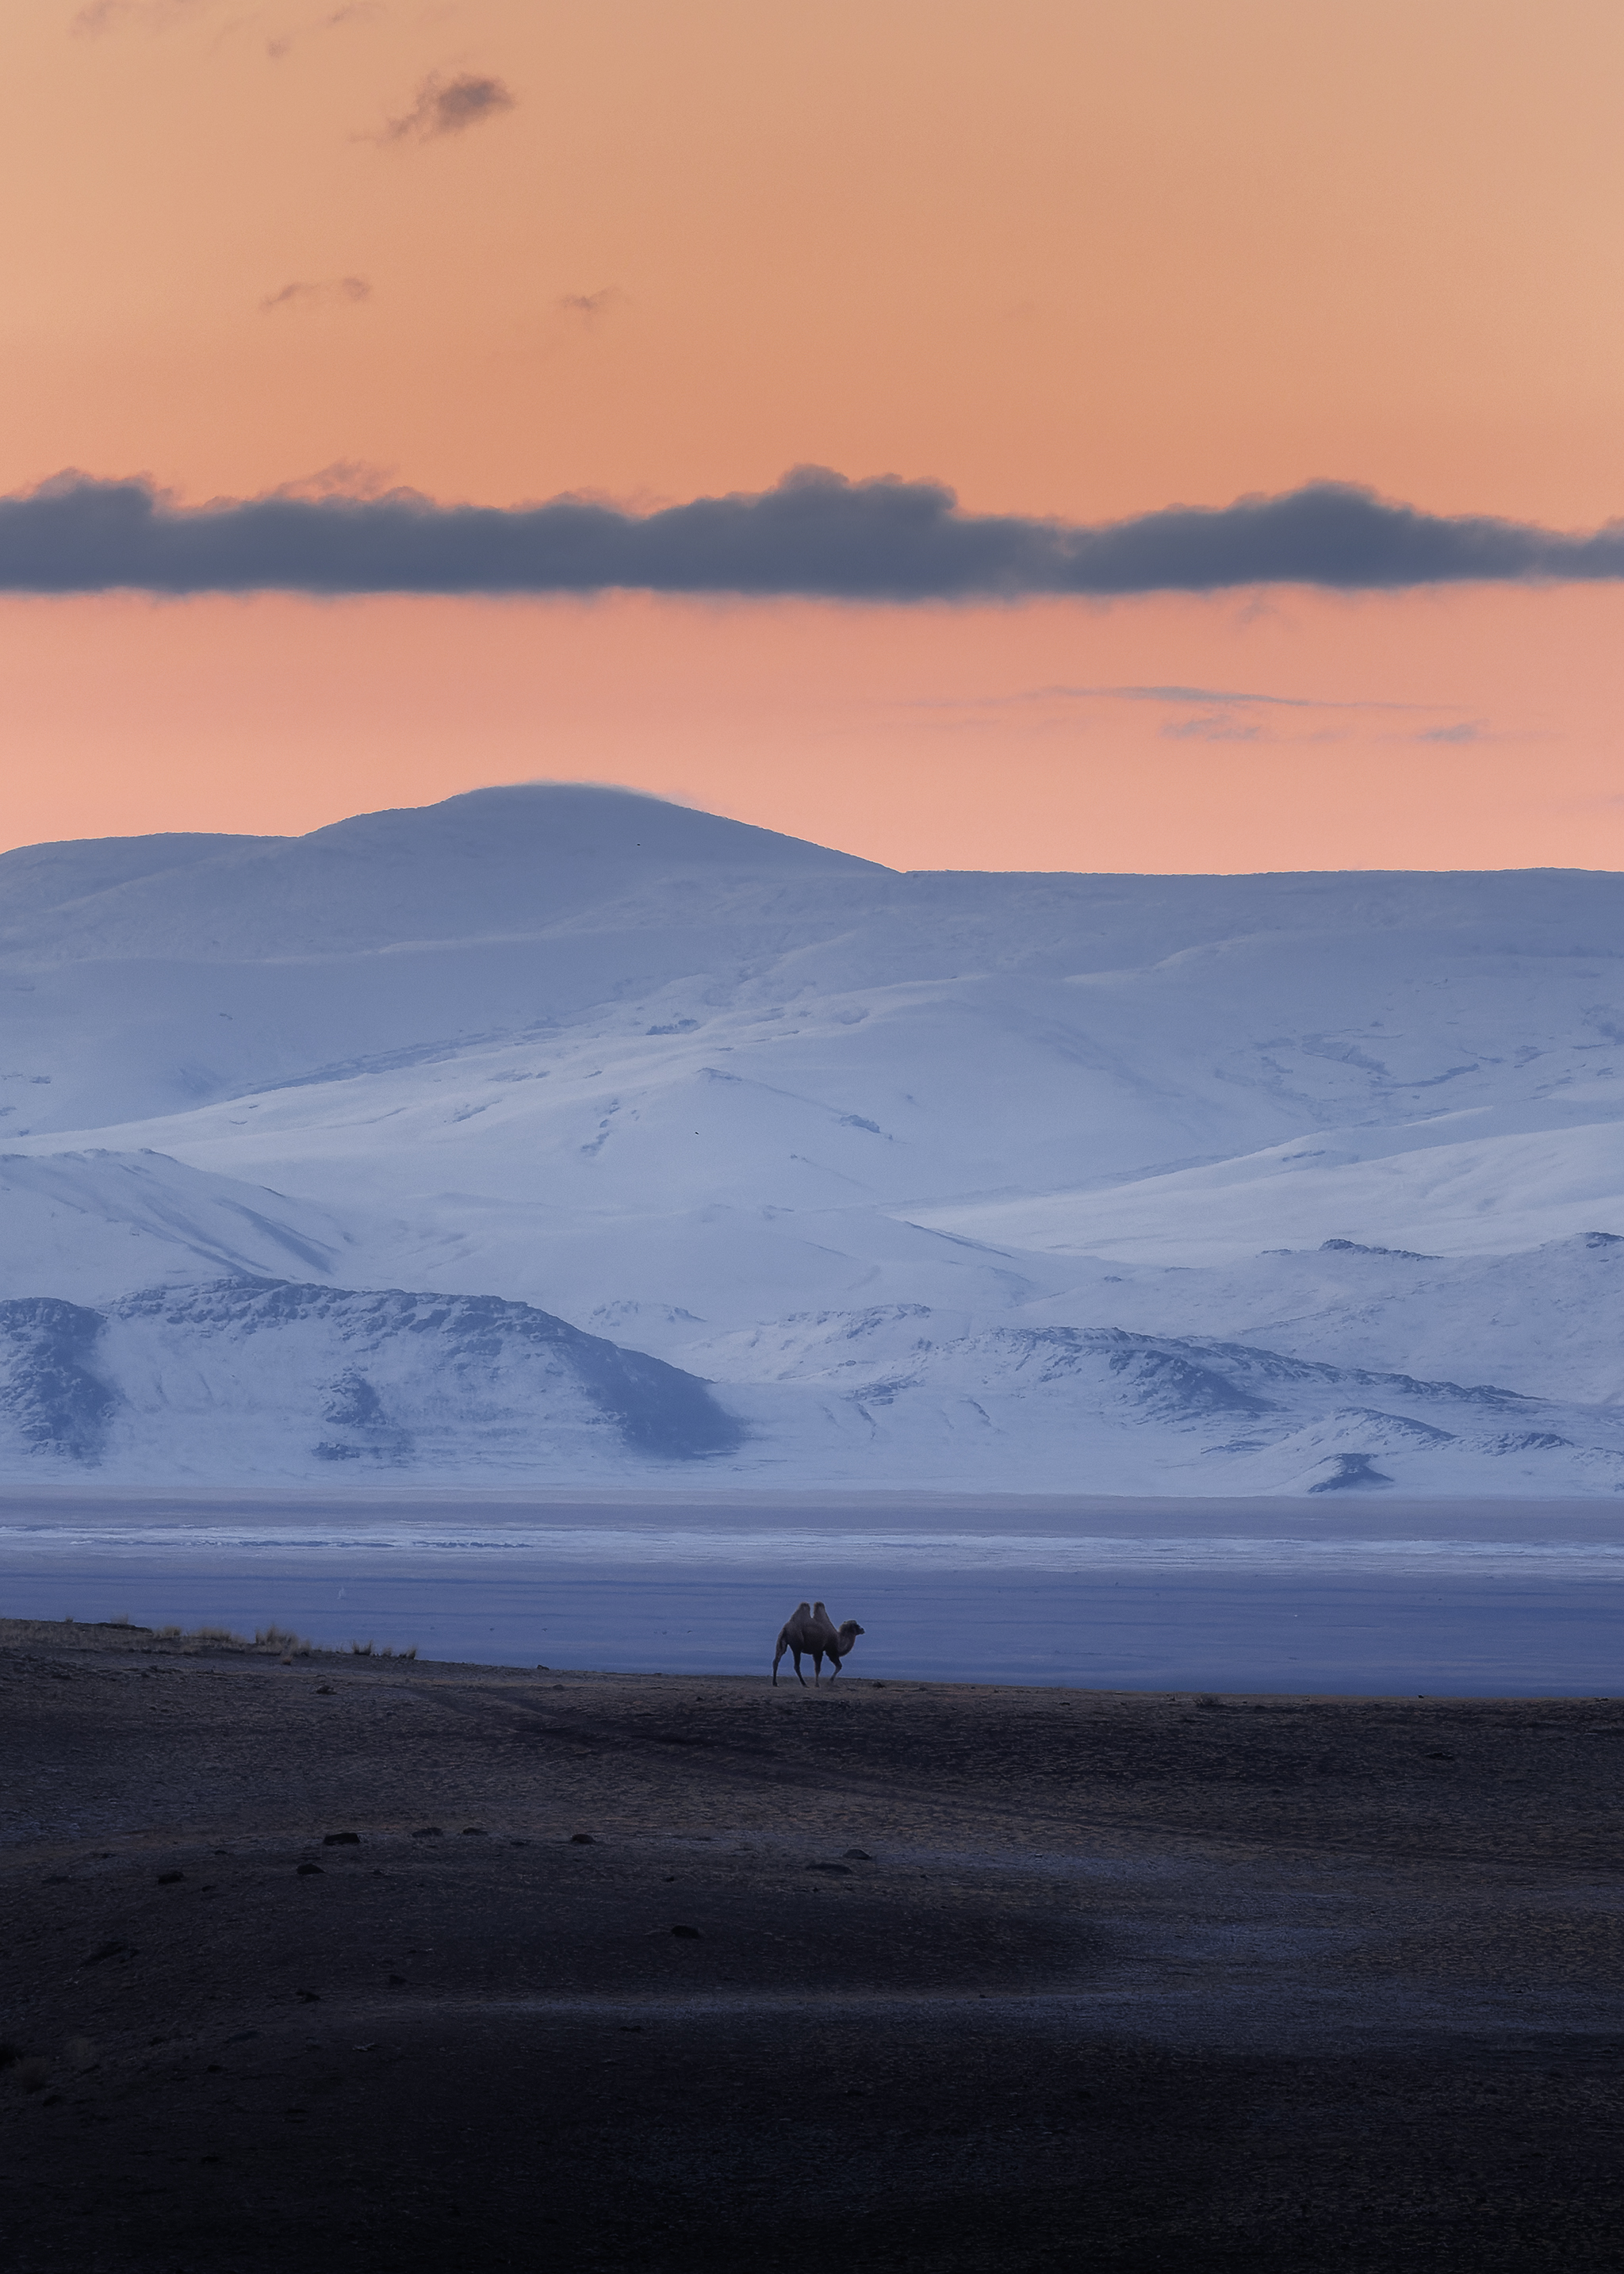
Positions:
{"x": 894, "y": 1977}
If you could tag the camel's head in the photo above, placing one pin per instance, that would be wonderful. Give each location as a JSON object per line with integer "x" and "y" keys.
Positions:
{"x": 849, "y": 1631}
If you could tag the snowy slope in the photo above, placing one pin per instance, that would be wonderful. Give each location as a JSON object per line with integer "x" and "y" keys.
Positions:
{"x": 1463, "y": 1184}
{"x": 277, "y": 1380}
{"x": 689, "y": 1084}
{"x": 1547, "y": 1318}
{"x": 955, "y": 1400}
{"x": 85, "y": 1225}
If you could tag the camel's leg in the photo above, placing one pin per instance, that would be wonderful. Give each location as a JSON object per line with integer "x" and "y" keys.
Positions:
{"x": 799, "y": 1676}
{"x": 834, "y": 1666}
{"x": 818, "y": 1664}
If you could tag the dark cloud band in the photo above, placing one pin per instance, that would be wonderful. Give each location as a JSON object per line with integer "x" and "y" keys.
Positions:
{"x": 816, "y": 536}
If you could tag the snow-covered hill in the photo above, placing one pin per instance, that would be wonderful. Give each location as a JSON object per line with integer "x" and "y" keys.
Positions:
{"x": 936, "y": 1179}
{"x": 260, "y": 1377}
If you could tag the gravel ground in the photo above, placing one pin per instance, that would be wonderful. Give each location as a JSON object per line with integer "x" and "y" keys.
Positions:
{"x": 668, "y": 1972}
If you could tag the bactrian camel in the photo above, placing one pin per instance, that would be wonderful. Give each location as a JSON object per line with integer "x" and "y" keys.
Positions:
{"x": 809, "y": 1628}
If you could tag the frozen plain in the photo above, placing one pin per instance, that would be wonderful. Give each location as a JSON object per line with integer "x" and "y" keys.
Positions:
{"x": 707, "y": 1160}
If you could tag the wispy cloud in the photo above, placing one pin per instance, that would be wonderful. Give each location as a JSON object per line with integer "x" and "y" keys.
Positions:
{"x": 449, "y": 106}
{"x": 1169, "y": 693}
{"x": 1465, "y": 730}
{"x": 332, "y": 291}
{"x": 815, "y": 536}
{"x": 99, "y": 16}
{"x": 588, "y": 306}
{"x": 1212, "y": 727}
{"x": 347, "y": 478}
{"x": 333, "y": 20}
{"x": 1208, "y": 714}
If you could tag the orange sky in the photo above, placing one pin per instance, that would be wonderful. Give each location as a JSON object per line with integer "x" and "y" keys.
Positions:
{"x": 1073, "y": 258}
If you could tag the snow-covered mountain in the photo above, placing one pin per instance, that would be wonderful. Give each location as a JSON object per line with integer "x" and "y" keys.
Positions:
{"x": 987, "y": 1182}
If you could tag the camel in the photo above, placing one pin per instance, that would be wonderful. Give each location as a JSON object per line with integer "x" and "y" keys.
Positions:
{"x": 809, "y": 1628}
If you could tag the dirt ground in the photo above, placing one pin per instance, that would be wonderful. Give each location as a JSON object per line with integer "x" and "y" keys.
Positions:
{"x": 668, "y": 1973}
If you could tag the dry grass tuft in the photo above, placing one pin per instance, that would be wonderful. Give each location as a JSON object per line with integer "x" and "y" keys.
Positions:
{"x": 82, "y": 2053}
{"x": 281, "y": 1639}
{"x": 280, "y": 1642}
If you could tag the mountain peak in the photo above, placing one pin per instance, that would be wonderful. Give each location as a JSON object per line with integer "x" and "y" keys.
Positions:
{"x": 489, "y": 863}
{"x": 554, "y": 821}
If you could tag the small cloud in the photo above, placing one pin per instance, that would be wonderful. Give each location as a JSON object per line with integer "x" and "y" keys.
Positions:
{"x": 588, "y": 305}
{"x": 449, "y": 106}
{"x": 1468, "y": 730}
{"x": 332, "y": 291}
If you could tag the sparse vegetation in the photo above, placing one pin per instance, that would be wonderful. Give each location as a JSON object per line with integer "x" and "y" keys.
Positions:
{"x": 280, "y": 1642}
{"x": 272, "y": 1640}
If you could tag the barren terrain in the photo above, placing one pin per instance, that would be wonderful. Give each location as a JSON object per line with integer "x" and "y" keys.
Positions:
{"x": 668, "y": 1972}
